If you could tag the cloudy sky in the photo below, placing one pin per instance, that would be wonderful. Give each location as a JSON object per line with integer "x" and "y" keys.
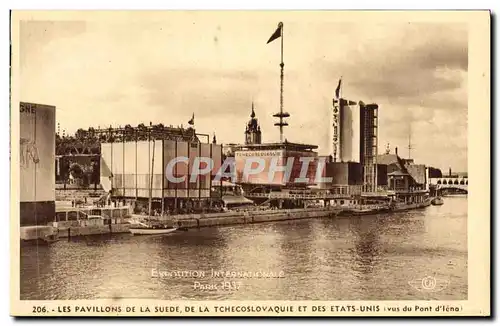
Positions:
{"x": 136, "y": 68}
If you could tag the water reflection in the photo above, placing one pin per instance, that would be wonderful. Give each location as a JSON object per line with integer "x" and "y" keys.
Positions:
{"x": 371, "y": 257}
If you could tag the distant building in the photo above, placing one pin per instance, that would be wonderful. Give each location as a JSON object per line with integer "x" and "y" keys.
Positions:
{"x": 130, "y": 156}
{"x": 84, "y": 147}
{"x": 434, "y": 172}
{"x": 228, "y": 149}
{"x": 89, "y": 164}
{"x": 403, "y": 174}
{"x": 346, "y": 178}
{"x": 349, "y": 131}
{"x": 392, "y": 161}
{"x": 368, "y": 145}
{"x": 279, "y": 154}
{"x": 253, "y": 135}
{"x": 37, "y": 163}
{"x": 381, "y": 176}
{"x": 271, "y": 153}
{"x": 456, "y": 174}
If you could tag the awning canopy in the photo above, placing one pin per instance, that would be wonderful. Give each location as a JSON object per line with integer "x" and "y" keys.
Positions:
{"x": 236, "y": 200}
{"x": 224, "y": 184}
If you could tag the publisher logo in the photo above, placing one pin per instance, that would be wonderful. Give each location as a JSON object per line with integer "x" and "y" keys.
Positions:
{"x": 429, "y": 284}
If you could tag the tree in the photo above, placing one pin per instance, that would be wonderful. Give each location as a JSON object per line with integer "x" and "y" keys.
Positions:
{"x": 95, "y": 176}
{"x": 76, "y": 171}
{"x": 81, "y": 134}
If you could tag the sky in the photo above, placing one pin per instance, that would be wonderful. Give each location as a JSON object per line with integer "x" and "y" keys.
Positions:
{"x": 104, "y": 69}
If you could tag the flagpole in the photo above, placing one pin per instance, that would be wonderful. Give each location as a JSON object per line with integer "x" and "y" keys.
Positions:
{"x": 340, "y": 90}
{"x": 282, "y": 66}
{"x": 336, "y": 123}
{"x": 279, "y": 34}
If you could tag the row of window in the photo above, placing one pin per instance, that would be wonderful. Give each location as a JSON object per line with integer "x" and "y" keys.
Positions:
{"x": 451, "y": 182}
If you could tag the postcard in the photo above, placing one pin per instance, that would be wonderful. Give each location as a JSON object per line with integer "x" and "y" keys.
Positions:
{"x": 250, "y": 163}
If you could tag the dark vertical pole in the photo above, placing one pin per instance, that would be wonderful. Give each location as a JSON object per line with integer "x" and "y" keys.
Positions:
{"x": 199, "y": 176}
{"x": 35, "y": 175}
{"x": 136, "y": 185}
{"x": 149, "y": 174}
{"x": 210, "y": 176}
{"x": 375, "y": 154}
{"x": 123, "y": 164}
{"x": 188, "y": 174}
{"x": 282, "y": 66}
{"x": 152, "y": 178}
{"x": 112, "y": 174}
{"x": 340, "y": 129}
{"x": 220, "y": 188}
{"x": 175, "y": 174}
{"x": 162, "y": 176}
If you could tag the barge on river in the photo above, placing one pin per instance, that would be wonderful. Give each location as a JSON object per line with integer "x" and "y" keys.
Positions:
{"x": 388, "y": 202}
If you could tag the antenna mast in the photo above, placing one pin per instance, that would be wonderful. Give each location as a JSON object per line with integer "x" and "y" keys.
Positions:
{"x": 281, "y": 115}
{"x": 409, "y": 144}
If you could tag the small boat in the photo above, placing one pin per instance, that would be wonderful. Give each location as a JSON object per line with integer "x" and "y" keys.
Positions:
{"x": 363, "y": 211}
{"x": 437, "y": 201}
{"x": 359, "y": 210}
{"x": 152, "y": 230}
{"x": 45, "y": 241}
{"x": 140, "y": 228}
{"x": 39, "y": 235}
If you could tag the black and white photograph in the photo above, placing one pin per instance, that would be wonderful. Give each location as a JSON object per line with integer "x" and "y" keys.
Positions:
{"x": 246, "y": 156}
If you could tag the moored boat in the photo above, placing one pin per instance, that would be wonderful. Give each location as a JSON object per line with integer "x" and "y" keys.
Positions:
{"x": 39, "y": 235}
{"x": 142, "y": 228}
{"x": 152, "y": 230}
{"x": 437, "y": 201}
{"x": 40, "y": 241}
{"x": 364, "y": 210}
{"x": 402, "y": 206}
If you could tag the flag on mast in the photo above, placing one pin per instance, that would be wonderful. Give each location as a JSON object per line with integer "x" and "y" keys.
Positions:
{"x": 191, "y": 122}
{"x": 337, "y": 91}
{"x": 276, "y": 34}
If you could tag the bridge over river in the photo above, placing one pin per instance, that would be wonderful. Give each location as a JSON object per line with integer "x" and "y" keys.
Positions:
{"x": 450, "y": 183}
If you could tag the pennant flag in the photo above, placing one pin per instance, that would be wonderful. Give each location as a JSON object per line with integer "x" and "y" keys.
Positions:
{"x": 337, "y": 91}
{"x": 276, "y": 34}
{"x": 191, "y": 122}
{"x": 344, "y": 102}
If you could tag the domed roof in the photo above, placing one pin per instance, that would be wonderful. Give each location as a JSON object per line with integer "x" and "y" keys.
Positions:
{"x": 253, "y": 123}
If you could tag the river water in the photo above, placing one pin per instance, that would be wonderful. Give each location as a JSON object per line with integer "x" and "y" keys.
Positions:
{"x": 379, "y": 257}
